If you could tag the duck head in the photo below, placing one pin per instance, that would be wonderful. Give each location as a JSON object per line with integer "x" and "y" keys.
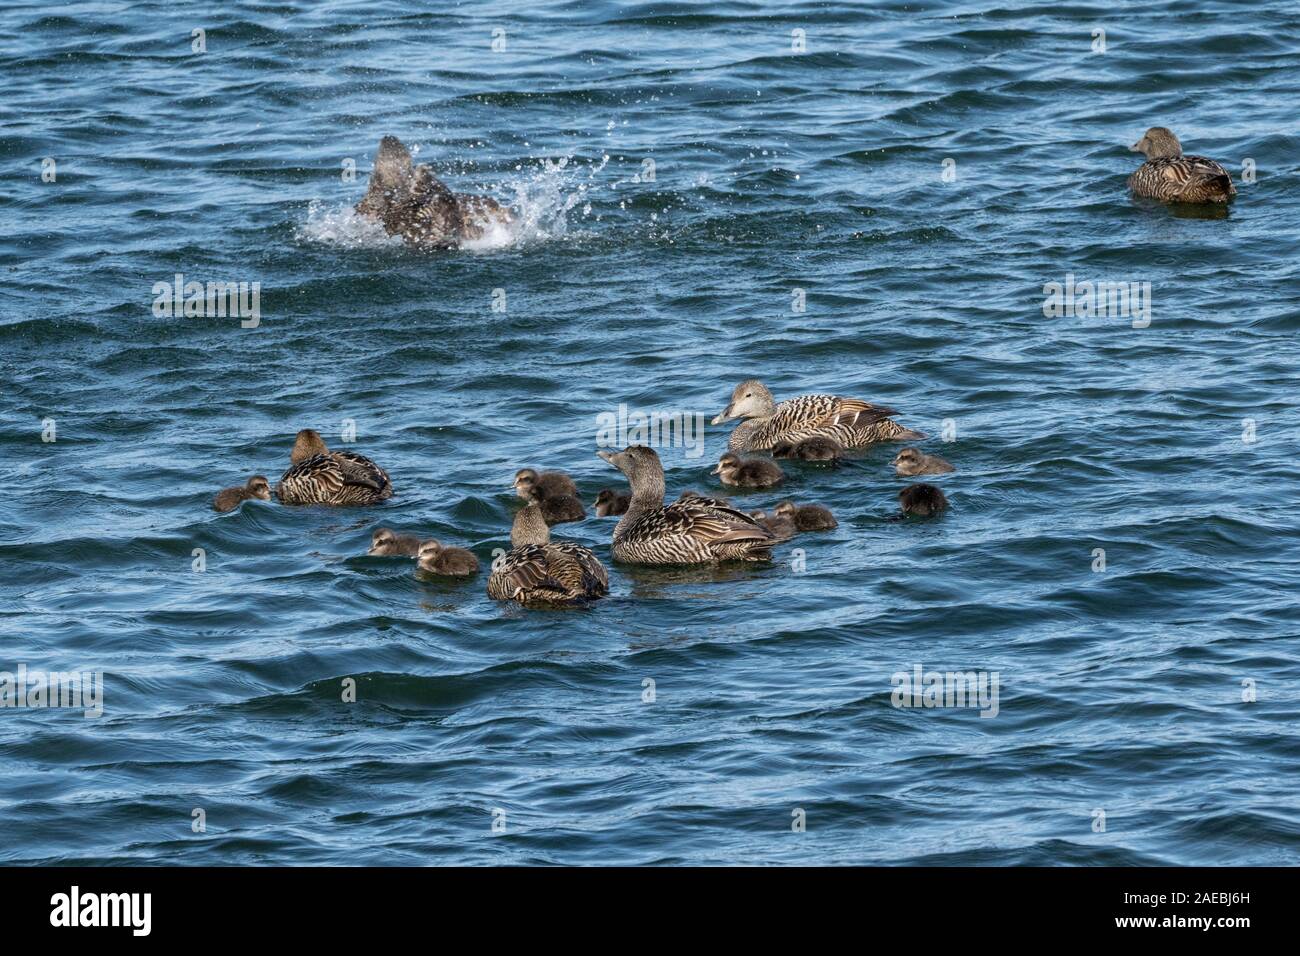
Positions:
{"x": 428, "y": 553}
{"x": 727, "y": 466}
{"x": 644, "y": 470}
{"x": 383, "y": 542}
{"x": 525, "y": 482}
{"x": 907, "y": 460}
{"x": 259, "y": 487}
{"x": 749, "y": 399}
{"x": 308, "y": 444}
{"x": 1157, "y": 143}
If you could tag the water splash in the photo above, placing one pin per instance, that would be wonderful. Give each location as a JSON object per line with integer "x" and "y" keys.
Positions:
{"x": 546, "y": 193}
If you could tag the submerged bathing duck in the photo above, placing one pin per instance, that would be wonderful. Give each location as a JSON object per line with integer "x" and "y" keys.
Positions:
{"x": 748, "y": 473}
{"x": 318, "y": 476}
{"x": 1170, "y": 176}
{"x": 387, "y": 543}
{"x": 538, "y": 571}
{"x": 552, "y": 483}
{"x": 849, "y": 421}
{"x": 922, "y": 500}
{"x": 609, "y": 503}
{"x": 689, "y": 531}
{"x": 228, "y": 499}
{"x": 807, "y": 517}
{"x": 557, "y": 509}
{"x": 912, "y": 461}
{"x": 816, "y": 448}
{"x": 411, "y": 202}
{"x": 448, "y": 562}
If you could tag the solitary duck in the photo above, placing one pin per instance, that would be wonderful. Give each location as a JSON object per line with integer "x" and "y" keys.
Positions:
{"x": 689, "y": 531}
{"x": 807, "y": 517}
{"x": 387, "y": 543}
{"x": 448, "y": 562}
{"x": 922, "y": 500}
{"x": 913, "y": 461}
{"x": 411, "y": 202}
{"x": 748, "y": 473}
{"x": 537, "y": 571}
{"x": 815, "y": 448}
{"x": 557, "y": 509}
{"x": 1170, "y": 176}
{"x": 849, "y": 421}
{"x": 609, "y": 503}
{"x": 318, "y": 476}
{"x": 553, "y": 483}
{"x": 228, "y": 499}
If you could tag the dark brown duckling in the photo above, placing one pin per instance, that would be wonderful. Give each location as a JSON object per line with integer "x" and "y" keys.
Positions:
{"x": 807, "y": 517}
{"x": 780, "y": 526}
{"x": 912, "y": 461}
{"x": 448, "y": 562}
{"x": 608, "y": 503}
{"x": 813, "y": 448}
{"x": 387, "y": 543}
{"x": 557, "y": 509}
{"x": 748, "y": 472}
{"x": 922, "y": 500}
{"x": 228, "y": 499}
{"x": 552, "y": 483}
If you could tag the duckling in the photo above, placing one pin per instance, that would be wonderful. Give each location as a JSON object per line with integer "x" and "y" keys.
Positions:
{"x": 813, "y": 448}
{"x": 387, "y": 543}
{"x": 448, "y": 562}
{"x": 690, "y": 531}
{"x": 1170, "y": 176}
{"x": 228, "y": 499}
{"x": 782, "y": 528}
{"x": 552, "y": 483}
{"x": 912, "y": 461}
{"x": 557, "y": 509}
{"x": 318, "y": 476}
{"x": 537, "y": 571}
{"x": 748, "y": 473}
{"x": 807, "y": 517}
{"x": 608, "y": 503}
{"x": 922, "y": 500}
{"x": 849, "y": 421}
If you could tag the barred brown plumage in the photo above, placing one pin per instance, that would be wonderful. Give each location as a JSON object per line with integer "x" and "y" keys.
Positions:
{"x": 538, "y": 571}
{"x": 689, "y": 531}
{"x": 1170, "y": 176}
{"x": 849, "y": 421}
{"x": 318, "y": 476}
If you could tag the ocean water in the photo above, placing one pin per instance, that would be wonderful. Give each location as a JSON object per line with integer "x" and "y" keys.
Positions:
{"x": 684, "y": 180}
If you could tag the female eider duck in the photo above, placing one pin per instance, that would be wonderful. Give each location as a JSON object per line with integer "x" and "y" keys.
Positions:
{"x": 913, "y": 461}
{"x": 609, "y": 503}
{"x": 922, "y": 500}
{"x": 807, "y": 517}
{"x": 433, "y": 558}
{"x": 1170, "y": 176}
{"x": 538, "y": 571}
{"x": 849, "y": 421}
{"x": 387, "y": 543}
{"x": 689, "y": 531}
{"x": 228, "y": 499}
{"x": 318, "y": 476}
{"x": 748, "y": 472}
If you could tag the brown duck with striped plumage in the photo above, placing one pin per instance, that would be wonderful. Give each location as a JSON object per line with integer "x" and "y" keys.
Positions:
{"x": 537, "y": 571}
{"x": 1170, "y": 176}
{"x": 318, "y": 476}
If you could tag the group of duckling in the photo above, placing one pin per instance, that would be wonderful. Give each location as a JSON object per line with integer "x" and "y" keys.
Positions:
{"x": 694, "y": 529}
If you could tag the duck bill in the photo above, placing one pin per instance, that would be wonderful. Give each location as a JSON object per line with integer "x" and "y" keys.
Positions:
{"x": 1136, "y": 147}
{"x": 723, "y": 416}
{"x": 717, "y": 470}
{"x": 607, "y": 456}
